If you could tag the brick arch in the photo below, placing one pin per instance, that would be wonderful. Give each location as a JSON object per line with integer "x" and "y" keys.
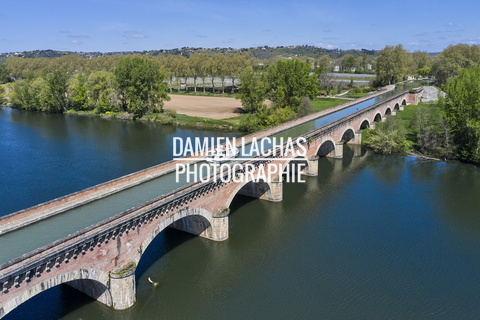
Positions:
{"x": 364, "y": 124}
{"x": 327, "y": 144}
{"x": 258, "y": 190}
{"x": 181, "y": 218}
{"x": 297, "y": 158}
{"x": 93, "y": 282}
{"x": 377, "y": 117}
{"x": 397, "y": 106}
{"x": 348, "y": 134}
{"x": 388, "y": 111}
{"x": 404, "y": 102}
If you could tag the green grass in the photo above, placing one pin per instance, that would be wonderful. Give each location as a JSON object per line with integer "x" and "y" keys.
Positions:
{"x": 332, "y": 92}
{"x": 183, "y": 120}
{"x": 108, "y": 114}
{"x": 325, "y": 103}
{"x": 356, "y": 95}
{"x": 407, "y": 116}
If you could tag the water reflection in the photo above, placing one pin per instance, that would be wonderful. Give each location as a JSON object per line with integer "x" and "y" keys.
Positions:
{"x": 389, "y": 171}
{"x": 458, "y": 195}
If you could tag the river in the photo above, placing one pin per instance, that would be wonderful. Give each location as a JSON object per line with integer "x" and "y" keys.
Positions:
{"x": 372, "y": 237}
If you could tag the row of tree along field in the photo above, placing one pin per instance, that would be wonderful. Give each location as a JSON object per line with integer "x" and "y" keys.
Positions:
{"x": 177, "y": 68}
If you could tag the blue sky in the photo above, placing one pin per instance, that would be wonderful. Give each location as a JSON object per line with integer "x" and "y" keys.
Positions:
{"x": 117, "y": 25}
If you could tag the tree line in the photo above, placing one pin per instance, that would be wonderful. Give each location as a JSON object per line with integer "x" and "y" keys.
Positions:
{"x": 177, "y": 67}
{"x": 394, "y": 63}
{"x": 134, "y": 84}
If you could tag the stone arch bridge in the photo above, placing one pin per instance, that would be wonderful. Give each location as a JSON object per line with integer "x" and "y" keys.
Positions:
{"x": 101, "y": 260}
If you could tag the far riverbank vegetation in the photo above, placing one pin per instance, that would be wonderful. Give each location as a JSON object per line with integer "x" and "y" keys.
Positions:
{"x": 272, "y": 90}
{"x": 446, "y": 129}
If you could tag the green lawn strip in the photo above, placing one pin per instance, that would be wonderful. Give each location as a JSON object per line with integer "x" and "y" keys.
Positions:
{"x": 320, "y": 104}
{"x": 184, "y": 120}
{"x": 356, "y": 95}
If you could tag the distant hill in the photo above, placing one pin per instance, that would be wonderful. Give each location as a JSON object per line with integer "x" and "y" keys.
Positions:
{"x": 263, "y": 53}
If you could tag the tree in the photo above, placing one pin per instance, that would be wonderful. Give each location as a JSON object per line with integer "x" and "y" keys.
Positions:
{"x": 431, "y": 130}
{"x": 78, "y": 91}
{"x": 4, "y": 73}
{"x": 323, "y": 62}
{"x": 421, "y": 59}
{"x": 289, "y": 81}
{"x": 391, "y": 64}
{"x": 424, "y": 72}
{"x": 212, "y": 70}
{"x": 326, "y": 79}
{"x": 452, "y": 59}
{"x": 364, "y": 61}
{"x": 265, "y": 118}
{"x": 101, "y": 91}
{"x": 462, "y": 109}
{"x": 203, "y": 67}
{"x": 387, "y": 137}
{"x": 141, "y": 85}
{"x": 253, "y": 90}
{"x": 348, "y": 62}
{"x": 360, "y": 70}
{"x": 31, "y": 94}
{"x": 305, "y": 107}
{"x": 236, "y": 64}
{"x": 2, "y": 94}
{"x": 221, "y": 69}
{"x": 197, "y": 67}
{"x": 184, "y": 69}
{"x": 57, "y": 83}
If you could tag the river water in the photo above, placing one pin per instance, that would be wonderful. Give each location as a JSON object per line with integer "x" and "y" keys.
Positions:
{"x": 372, "y": 237}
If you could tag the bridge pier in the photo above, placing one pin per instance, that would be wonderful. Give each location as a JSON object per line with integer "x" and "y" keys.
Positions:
{"x": 338, "y": 152}
{"x": 122, "y": 286}
{"x": 357, "y": 139}
{"x": 312, "y": 167}
{"x": 219, "y": 228}
{"x": 276, "y": 192}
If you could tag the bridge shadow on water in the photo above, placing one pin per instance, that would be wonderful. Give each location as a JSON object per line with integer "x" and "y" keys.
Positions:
{"x": 55, "y": 303}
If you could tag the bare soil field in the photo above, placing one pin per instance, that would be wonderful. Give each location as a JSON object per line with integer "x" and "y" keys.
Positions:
{"x": 206, "y": 107}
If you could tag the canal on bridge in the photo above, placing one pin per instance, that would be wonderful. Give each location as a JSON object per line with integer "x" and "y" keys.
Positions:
{"x": 46, "y": 231}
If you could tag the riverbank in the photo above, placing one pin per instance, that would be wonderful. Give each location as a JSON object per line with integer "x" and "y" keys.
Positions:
{"x": 167, "y": 117}
{"x": 172, "y": 117}
{"x": 421, "y": 130}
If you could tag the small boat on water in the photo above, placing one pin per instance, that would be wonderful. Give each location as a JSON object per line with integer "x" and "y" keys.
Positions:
{"x": 222, "y": 154}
